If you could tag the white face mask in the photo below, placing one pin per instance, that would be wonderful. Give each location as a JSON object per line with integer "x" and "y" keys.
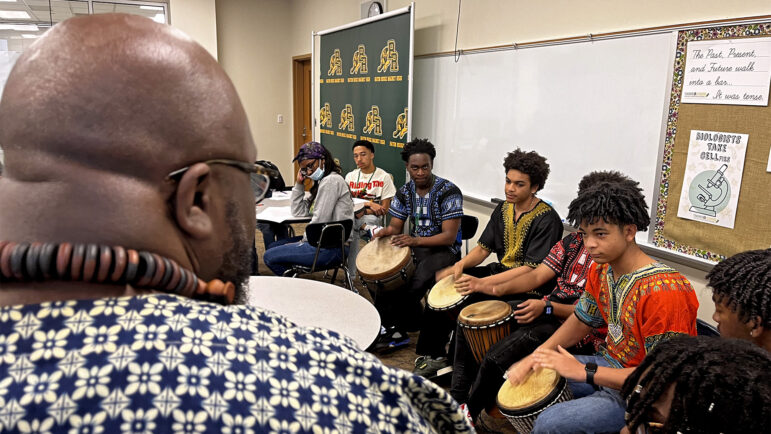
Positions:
{"x": 318, "y": 174}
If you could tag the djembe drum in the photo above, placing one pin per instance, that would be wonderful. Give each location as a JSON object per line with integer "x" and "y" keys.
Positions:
{"x": 444, "y": 297}
{"x": 521, "y": 404}
{"x": 485, "y": 323}
{"x": 383, "y": 266}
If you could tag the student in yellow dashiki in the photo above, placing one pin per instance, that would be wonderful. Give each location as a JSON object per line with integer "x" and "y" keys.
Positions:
{"x": 521, "y": 232}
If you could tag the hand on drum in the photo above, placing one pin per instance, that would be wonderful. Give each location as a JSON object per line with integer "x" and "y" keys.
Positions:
{"x": 468, "y": 284}
{"x": 561, "y": 361}
{"x": 529, "y": 310}
{"x": 519, "y": 371}
{"x": 457, "y": 270}
{"x": 404, "y": 241}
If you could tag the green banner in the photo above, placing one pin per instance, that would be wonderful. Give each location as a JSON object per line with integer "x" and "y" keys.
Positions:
{"x": 365, "y": 91}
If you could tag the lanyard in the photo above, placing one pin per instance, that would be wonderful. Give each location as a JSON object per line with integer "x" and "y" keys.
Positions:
{"x": 358, "y": 177}
{"x": 418, "y": 210}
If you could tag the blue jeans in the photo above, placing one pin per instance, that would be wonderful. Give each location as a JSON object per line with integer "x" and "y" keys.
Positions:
{"x": 590, "y": 411}
{"x": 272, "y": 232}
{"x": 294, "y": 251}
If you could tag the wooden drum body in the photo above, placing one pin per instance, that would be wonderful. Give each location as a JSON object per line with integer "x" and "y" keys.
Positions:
{"x": 523, "y": 403}
{"x": 485, "y": 323}
{"x": 444, "y": 297}
{"x": 383, "y": 266}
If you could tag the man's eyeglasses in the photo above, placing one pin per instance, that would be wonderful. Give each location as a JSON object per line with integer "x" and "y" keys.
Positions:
{"x": 260, "y": 175}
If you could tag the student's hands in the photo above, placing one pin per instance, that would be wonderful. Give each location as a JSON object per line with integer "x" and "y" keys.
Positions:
{"x": 404, "y": 241}
{"x": 519, "y": 371}
{"x": 561, "y": 361}
{"x": 376, "y": 209}
{"x": 457, "y": 270}
{"x": 444, "y": 272}
{"x": 468, "y": 284}
{"x": 300, "y": 177}
{"x": 529, "y": 310}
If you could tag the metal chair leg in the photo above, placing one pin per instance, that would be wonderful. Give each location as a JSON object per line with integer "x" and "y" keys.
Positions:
{"x": 334, "y": 276}
{"x": 348, "y": 279}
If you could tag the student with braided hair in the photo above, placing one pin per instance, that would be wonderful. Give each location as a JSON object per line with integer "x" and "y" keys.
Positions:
{"x": 642, "y": 302}
{"x": 741, "y": 288}
{"x": 700, "y": 385}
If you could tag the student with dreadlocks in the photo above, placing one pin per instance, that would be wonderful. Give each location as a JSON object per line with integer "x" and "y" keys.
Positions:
{"x": 741, "y": 288}
{"x": 642, "y": 302}
{"x": 700, "y": 385}
{"x": 330, "y": 201}
{"x": 431, "y": 207}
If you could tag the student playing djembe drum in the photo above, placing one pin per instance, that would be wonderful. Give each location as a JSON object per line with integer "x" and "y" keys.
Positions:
{"x": 641, "y": 301}
{"x": 432, "y": 207}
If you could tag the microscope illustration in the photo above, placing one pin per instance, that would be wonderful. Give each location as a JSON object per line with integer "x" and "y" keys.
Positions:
{"x": 715, "y": 192}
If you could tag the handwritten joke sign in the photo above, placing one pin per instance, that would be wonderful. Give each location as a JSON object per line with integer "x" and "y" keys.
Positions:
{"x": 728, "y": 71}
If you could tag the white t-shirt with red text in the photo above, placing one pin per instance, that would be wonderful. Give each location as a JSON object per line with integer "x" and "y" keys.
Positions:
{"x": 374, "y": 186}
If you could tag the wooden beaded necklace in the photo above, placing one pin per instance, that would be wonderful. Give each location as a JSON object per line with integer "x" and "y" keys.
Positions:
{"x": 95, "y": 263}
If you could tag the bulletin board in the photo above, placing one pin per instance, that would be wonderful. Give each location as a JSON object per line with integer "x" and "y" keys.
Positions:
{"x": 752, "y": 227}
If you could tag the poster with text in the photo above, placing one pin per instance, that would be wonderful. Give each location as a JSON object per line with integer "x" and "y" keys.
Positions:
{"x": 364, "y": 91}
{"x": 713, "y": 177}
{"x": 728, "y": 71}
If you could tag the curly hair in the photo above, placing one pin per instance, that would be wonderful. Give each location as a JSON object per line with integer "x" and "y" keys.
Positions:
{"x": 605, "y": 176}
{"x": 721, "y": 385}
{"x": 615, "y": 203}
{"x": 529, "y": 163}
{"x": 743, "y": 283}
{"x": 418, "y": 146}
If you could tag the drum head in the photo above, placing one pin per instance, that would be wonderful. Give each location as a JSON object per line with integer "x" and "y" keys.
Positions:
{"x": 484, "y": 312}
{"x": 443, "y": 294}
{"x": 379, "y": 259}
{"x": 536, "y": 387}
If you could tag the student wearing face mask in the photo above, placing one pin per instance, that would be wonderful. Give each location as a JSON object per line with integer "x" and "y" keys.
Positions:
{"x": 330, "y": 200}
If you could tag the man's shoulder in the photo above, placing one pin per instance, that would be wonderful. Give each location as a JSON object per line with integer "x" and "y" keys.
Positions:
{"x": 351, "y": 176}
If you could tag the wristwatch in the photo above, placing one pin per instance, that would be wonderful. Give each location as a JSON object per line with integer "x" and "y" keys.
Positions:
{"x": 591, "y": 369}
{"x": 548, "y": 309}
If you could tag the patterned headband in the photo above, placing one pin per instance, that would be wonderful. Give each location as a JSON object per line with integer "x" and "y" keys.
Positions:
{"x": 310, "y": 151}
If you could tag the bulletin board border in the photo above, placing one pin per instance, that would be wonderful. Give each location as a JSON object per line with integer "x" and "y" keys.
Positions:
{"x": 685, "y": 36}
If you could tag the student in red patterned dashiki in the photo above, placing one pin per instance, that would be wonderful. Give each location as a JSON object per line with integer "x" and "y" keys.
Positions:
{"x": 642, "y": 302}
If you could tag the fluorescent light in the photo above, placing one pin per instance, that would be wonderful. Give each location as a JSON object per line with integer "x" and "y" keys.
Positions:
{"x": 11, "y": 15}
{"x": 29, "y": 35}
{"x": 160, "y": 18}
{"x": 19, "y": 27}
{"x": 147, "y": 8}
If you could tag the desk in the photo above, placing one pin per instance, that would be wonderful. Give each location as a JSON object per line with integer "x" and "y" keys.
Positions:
{"x": 312, "y": 303}
{"x": 277, "y": 209}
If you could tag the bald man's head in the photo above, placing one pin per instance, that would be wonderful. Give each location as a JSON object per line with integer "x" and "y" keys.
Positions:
{"x": 122, "y": 93}
{"x": 93, "y": 117}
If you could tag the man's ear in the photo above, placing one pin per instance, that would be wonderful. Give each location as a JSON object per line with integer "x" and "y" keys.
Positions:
{"x": 192, "y": 203}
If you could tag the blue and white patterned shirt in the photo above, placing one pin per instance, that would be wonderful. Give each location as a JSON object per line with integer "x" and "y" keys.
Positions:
{"x": 164, "y": 363}
{"x": 426, "y": 214}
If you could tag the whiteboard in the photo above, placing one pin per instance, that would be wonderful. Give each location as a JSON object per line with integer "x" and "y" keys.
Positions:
{"x": 585, "y": 106}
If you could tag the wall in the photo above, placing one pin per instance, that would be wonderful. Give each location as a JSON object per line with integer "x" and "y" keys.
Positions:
{"x": 252, "y": 38}
{"x": 197, "y": 19}
{"x": 265, "y": 87}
